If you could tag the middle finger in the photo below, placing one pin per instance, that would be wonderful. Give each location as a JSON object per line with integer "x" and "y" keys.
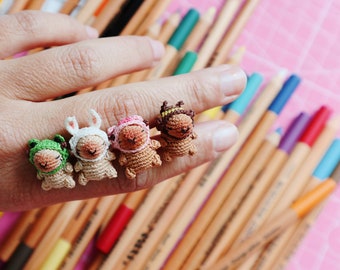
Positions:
{"x": 66, "y": 69}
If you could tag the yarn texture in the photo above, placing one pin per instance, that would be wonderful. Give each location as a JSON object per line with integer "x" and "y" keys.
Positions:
{"x": 50, "y": 157}
{"x": 137, "y": 150}
{"x": 176, "y": 126}
{"x": 90, "y": 145}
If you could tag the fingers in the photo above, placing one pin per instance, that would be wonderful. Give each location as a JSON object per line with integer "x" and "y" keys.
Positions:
{"x": 198, "y": 90}
{"x": 30, "y": 29}
{"x": 213, "y": 138}
{"x": 63, "y": 70}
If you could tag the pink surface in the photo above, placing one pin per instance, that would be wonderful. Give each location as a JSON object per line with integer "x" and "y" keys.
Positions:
{"x": 302, "y": 36}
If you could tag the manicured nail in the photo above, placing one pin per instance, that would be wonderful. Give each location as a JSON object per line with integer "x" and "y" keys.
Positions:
{"x": 91, "y": 32}
{"x": 224, "y": 137}
{"x": 157, "y": 49}
{"x": 233, "y": 80}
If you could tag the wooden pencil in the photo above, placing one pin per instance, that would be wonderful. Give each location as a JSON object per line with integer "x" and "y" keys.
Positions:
{"x": 227, "y": 42}
{"x": 295, "y": 189}
{"x": 91, "y": 228}
{"x": 285, "y": 176}
{"x": 32, "y": 237}
{"x": 64, "y": 244}
{"x": 111, "y": 9}
{"x": 141, "y": 222}
{"x": 196, "y": 242}
{"x": 158, "y": 8}
{"x": 20, "y": 228}
{"x": 17, "y": 6}
{"x": 138, "y": 18}
{"x": 302, "y": 228}
{"x": 88, "y": 10}
{"x": 68, "y": 6}
{"x": 215, "y": 35}
{"x": 53, "y": 233}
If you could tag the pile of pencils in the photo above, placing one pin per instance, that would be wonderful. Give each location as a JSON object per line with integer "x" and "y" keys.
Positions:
{"x": 248, "y": 209}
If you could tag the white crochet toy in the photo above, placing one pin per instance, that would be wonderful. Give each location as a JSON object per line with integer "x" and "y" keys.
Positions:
{"x": 90, "y": 146}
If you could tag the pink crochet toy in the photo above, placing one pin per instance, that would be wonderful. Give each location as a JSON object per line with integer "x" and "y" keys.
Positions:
{"x": 90, "y": 146}
{"x": 176, "y": 127}
{"x": 138, "y": 152}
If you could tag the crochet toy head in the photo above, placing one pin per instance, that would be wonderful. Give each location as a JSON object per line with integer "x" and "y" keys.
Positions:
{"x": 88, "y": 143}
{"x": 48, "y": 156}
{"x": 130, "y": 135}
{"x": 175, "y": 121}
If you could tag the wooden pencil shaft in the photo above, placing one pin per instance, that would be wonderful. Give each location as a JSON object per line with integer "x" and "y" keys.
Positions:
{"x": 245, "y": 210}
{"x": 215, "y": 224}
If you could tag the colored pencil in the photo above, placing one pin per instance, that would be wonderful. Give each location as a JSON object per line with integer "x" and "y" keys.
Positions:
{"x": 64, "y": 244}
{"x": 158, "y": 7}
{"x": 33, "y": 237}
{"x": 191, "y": 250}
{"x": 215, "y": 35}
{"x": 280, "y": 223}
{"x": 90, "y": 229}
{"x": 225, "y": 46}
{"x": 174, "y": 45}
{"x": 263, "y": 181}
{"x": 304, "y": 226}
{"x": 52, "y": 235}
{"x": 268, "y": 257}
{"x": 118, "y": 222}
{"x": 13, "y": 239}
{"x": 285, "y": 176}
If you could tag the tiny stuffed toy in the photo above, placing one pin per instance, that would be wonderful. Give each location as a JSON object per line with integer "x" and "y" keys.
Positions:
{"x": 137, "y": 151}
{"x": 176, "y": 127}
{"x": 90, "y": 146}
{"x": 49, "y": 157}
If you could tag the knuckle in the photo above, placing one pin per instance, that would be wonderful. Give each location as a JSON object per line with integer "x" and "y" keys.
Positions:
{"x": 27, "y": 22}
{"x": 82, "y": 62}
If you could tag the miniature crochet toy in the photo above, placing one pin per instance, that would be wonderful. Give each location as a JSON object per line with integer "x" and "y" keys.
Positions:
{"x": 137, "y": 151}
{"x": 90, "y": 146}
{"x": 49, "y": 157}
{"x": 176, "y": 126}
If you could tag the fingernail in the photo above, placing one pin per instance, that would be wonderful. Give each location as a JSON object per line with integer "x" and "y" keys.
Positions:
{"x": 224, "y": 137}
{"x": 233, "y": 80}
{"x": 91, "y": 32}
{"x": 157, "y": 49}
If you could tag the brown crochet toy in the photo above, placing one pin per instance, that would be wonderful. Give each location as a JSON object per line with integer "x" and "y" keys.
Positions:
{"x": 137, "y": 150}
{"x": 176, "y": 127}
{"x": 90, "y": 146}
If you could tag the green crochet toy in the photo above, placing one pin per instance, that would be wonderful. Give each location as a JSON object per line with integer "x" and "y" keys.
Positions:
{"x": 50, "y": 157}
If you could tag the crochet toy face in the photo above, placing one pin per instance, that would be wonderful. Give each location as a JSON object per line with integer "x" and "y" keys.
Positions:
{"x": 50, "y": 159}
{"x": 137, "y": 150}
{"x": 176, "y": 127}
{"x": 90, "y": 146}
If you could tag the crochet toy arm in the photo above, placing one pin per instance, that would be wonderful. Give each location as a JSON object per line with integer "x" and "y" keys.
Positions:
{"x": 68, "y": 167}
{"x": 154, "y": 144}
{"x": 122, "y": 160}
{"x": 110, "y": 156}
{"x": 78, "y": 167}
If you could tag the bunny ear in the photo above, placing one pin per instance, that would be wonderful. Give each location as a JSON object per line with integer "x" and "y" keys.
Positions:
{"x": 71, "y": 125}
{"x": 95, "y": 120}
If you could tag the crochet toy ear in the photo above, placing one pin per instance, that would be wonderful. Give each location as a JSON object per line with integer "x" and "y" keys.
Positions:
{"x": 95, "y": 120}
{"x": 32, "y": 143}
{"x": 111, "y": 133}
{"x": 71, "y": 125}
{"x": 59, "y": 139}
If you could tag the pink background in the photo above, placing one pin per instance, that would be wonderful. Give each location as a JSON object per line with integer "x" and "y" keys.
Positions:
{"x": 302, "y": 36}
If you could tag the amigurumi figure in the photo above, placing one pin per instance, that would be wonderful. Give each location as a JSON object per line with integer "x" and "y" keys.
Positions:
{"x": 137, "y": 150}
{"x": 90, "y": 146}
{"x": 176, "y": 127}
{"x": 49, "y": 157}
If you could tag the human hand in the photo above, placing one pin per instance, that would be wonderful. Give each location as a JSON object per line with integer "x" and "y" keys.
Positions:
{"x": 78, "y": 61}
